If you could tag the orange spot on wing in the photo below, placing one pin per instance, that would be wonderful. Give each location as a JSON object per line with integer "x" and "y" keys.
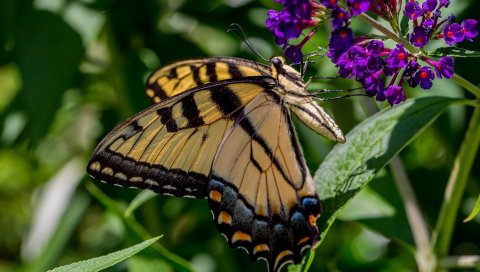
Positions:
{"x": 241, "y": 236}
{"x": 224, "y": 218}
{"x": 312, "y": 220}
{"x": 303, "y": 240}
{"x": 215, "y": 195}
{"x": 260, "y": 247}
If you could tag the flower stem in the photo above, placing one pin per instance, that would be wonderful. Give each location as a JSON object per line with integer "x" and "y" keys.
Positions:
{"x": 465, "y": 262}
{"x": 424, "y": 256}
{"x": 387, "y": 32}
{"x": 424, "y": 253}
{"x": 467, "y": 85}
{"x": 456, "y": 186}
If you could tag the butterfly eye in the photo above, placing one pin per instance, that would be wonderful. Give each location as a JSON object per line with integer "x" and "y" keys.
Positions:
{"x": 277, "y": 62}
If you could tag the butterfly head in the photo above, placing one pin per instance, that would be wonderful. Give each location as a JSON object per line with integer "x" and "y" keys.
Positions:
{"x": 287, "y": 77}
{"x": 277, "y": 62}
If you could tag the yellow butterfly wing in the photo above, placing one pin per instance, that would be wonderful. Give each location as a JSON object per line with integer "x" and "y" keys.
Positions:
{"x": 220, "y": 128}
{"x": 169, "y": 147}
{"x": 261, "y": 192}
{"x": 181, "y": 76}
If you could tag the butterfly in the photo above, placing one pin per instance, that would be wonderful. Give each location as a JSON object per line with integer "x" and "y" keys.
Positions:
{"x": 220, "y": 128}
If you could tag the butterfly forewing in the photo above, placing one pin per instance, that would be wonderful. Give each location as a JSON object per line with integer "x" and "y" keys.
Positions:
{"x": 184, "y": 75}
{"x": 169, "y": 147}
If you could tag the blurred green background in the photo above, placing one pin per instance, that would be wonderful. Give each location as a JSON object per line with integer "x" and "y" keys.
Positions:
{"x": 70, "y": 70}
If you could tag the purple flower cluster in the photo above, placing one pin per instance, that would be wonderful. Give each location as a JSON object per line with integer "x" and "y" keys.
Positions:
{"x": 289, "y": 22}
{"x": 429, "y": 14}
{"x": 340, "y": 16}
{"x": 371, "y": 64}
{"x": 382, "y": 71}
{"x": 455, "y": 32}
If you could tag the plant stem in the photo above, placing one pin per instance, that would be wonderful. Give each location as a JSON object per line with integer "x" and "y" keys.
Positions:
{"x": 456, "y": 186}
{"x": 456, "y": 262}
{"x": 467, "y": 85}
{"x": 387, "y": 32}
{"x": 424, "y": 256}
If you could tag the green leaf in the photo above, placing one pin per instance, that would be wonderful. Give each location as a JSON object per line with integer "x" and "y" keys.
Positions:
{"x": 99, "y": 263}
{"x": 404, "y": 25}
{"x": 141, "y": 198}
{"x": 379, "y": 207}
{"x": 48, "y": 53}
{"x": 305, "y": 264}
{"x": 453, "y": 52}
{"x": 475, "y": 211}
{"x": 369, "y": 147}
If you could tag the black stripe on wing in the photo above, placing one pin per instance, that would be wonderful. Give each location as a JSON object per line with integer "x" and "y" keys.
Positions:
{"x": 191, "y": 112}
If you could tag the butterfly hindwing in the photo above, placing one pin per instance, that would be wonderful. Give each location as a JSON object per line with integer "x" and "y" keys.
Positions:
{"x": 181, "y": 76}
{"x": 169, "y": 147}
{"x": 261, "y": 192}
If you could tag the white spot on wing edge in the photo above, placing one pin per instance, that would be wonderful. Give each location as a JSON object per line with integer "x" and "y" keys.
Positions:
{"x": 95, "y": 166}
{"x": 121, "y": 176}
{"x": 168, "y": 187}
{"x": 136, "y": 179}
{"x": 107, "y": 171}
{"x": 151, "y": 182}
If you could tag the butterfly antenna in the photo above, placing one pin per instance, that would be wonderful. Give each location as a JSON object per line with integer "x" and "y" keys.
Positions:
{"x": 323, "y": 91}
{"x": 343, "y": 96}
{"x": 323, "y": 77}
{"x": 307, "y": 59}
{"x": 237, "y": 29}
{"x": 320, "y": 52}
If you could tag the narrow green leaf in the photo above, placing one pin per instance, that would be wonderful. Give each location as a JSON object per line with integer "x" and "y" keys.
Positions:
{"x": 369, "y": 147}
{"x": 99, "y": 263}
{"x": 453, "y": 52}
{"x": 141, "y": 198}
{"x": 404, "y": 25}
{"x": 475, "y": 211}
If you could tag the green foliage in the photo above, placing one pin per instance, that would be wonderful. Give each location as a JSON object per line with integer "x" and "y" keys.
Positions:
{"x": 100, "y": 263}
{"x": 370, "y": 146}
{"x": 454, "y": 52}
{"x": 475, "y": 211}
{"x": 71, "y": 70}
